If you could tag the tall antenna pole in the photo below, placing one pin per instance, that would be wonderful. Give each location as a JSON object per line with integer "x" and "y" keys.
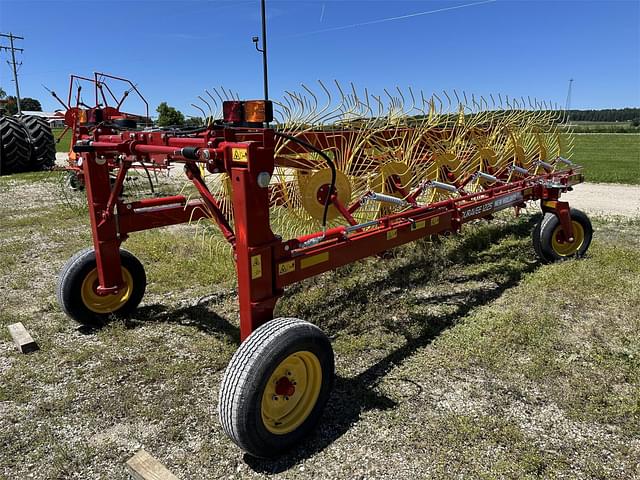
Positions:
{"x": 264, "y": 50}
{"x": 13, "y": 63}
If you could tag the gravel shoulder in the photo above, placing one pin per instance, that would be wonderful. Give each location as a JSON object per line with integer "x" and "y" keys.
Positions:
{"x": 606, "y": 199}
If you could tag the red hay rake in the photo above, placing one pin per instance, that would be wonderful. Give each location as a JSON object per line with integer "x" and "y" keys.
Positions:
{"x": 279, "y": 380}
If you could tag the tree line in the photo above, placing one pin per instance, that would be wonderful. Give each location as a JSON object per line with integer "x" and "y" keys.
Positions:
{"x": 170, "y": 116}
{"x": 605, "y": 115}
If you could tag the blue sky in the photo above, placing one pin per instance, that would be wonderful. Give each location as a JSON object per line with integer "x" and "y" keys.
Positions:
{"x": 175, "y": 49}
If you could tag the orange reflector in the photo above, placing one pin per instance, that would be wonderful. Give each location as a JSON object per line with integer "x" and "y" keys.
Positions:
{"x": 258, "y": 111}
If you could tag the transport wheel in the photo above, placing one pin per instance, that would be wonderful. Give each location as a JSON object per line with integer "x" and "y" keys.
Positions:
{"x": 15, "y": 148}
{"x": 552, "y": 242}
{"x": 43, "y": 144}
{"x": 77, "y": 282}
{"x": 276, "y": 386}
{"x": 73, "y": 181}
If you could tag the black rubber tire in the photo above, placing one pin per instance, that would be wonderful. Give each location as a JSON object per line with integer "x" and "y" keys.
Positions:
{"x": 547, "y": 228}
{"x": 68, "y": 290}
{"x": 246, "y": 376}
{"x": 43, "y": 152}
{"x": 15, "y": 148}
{"x": 537, "y": 241}
{"x": 126, "y": 123}
{"x": 73, "y": 182}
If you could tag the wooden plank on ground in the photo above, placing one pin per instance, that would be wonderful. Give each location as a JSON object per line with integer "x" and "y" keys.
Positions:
{"x": 143, "y": 466}
{"x": 21, "y": 338}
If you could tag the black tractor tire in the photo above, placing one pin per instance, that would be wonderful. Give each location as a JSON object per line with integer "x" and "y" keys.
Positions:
{"x": 279, "y": 350}
{"x": 72, "y": 297}
{"x": 15, "y": 147}
{"x": 43, "y": 154}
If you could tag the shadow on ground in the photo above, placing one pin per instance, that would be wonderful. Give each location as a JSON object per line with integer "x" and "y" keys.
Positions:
{"x": 354, "y": 395}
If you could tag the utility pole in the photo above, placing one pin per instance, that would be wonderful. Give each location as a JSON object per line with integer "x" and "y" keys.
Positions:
{"x": 13, "y": 63}
{"x": 567, "y": 105}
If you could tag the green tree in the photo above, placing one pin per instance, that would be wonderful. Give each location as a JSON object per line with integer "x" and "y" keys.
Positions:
{"x": 30, "y": 104}
{"x": 26, "y": 103}
{"x": 2, "y": 93}
{"x": 10, "y": 107}
{"x": 169, "y": 116}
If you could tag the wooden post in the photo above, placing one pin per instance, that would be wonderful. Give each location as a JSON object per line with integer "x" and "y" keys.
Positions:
{"x": 143, "y": 466}
{"x": 22, "y": 339}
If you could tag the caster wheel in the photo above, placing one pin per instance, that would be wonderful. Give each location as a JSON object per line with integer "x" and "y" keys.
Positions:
{"x": 73, "y": 182}
{"x": 549, "y": 240}
{"x": 276, "y": 386}
{"x": 77, "y": 282}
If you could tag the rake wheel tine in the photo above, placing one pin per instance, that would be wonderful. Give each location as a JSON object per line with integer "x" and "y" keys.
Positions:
{"x": 215, "y": 90}
{"x": 201, "y": 110}
{"x": 212, "y": 99}
{"x": 207, "y": 104}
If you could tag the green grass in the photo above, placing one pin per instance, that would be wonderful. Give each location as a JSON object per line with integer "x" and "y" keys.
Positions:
{"x": 464, "y": 358}
{"x": 609, "y": 158}
{"x": 63, "y": 145}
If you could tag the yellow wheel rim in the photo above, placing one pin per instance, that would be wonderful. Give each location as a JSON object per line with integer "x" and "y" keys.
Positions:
{"x": 105, "y": 303}
{"x": 563, "y": 247}
{"x": 291, "y": 392}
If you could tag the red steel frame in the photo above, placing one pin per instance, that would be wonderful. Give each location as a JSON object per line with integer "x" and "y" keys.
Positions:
{"x": 265, "y": 263}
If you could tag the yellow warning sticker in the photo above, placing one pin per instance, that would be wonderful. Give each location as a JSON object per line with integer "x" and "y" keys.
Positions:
{"x": 435, "y": 221}
{"x": 528, "y": 191}
{"x": 286, "y": 267}
{"x": 256, "y": 266}
{"x": 391, "y": 234}
{"x": 418, "y": 225}
{"x": 314, "y": 260}
{"x": 239, "y": 154}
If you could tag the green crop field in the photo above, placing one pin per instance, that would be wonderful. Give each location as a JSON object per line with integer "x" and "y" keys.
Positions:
{"x": 609, "y": 158}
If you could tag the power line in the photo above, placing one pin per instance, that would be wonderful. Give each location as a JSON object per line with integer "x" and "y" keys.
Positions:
{"x": 13, "y": 62}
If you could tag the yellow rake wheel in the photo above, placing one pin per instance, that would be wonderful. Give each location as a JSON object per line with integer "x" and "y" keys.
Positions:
{"x": 398, "y": 171}
{"x": 276, "y": 386}
{"x": 315, "y": 189}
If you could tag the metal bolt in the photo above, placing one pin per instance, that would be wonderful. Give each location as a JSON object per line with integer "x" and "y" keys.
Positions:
{"x": 263, "y": 179}
{"x": 287, "y": 248}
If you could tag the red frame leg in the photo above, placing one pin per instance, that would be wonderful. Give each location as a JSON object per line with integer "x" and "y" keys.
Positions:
{"x": 106, "y": 238}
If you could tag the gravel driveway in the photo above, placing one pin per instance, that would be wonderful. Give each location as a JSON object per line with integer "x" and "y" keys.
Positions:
{"x": 606, "y": 198}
